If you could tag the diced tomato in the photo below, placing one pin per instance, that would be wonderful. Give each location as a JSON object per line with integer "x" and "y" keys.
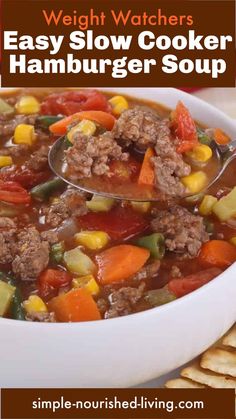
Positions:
{"x": 25, "y": 177}
{"x": 183, "y": 286}
{"x": 51, "y": 280}
{"x": 14, "y": 193}
{"x": 70, "y": 102}
{"x": 124, "y": 171}
{"x": 184, "y": 128}
{"x": 119, "y": 223}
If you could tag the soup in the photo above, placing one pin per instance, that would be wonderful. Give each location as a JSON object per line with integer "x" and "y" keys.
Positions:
{"x": 68, "y": 256}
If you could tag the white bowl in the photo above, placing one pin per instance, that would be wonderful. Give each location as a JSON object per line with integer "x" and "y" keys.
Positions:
{"x": 129, "y": 350}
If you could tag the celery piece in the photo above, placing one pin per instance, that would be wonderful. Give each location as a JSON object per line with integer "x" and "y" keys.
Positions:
{"x": 225, "y": 208}
{"x": 78, "y": 263}
{"x": 57, "y": 252}
{"x": 159, "y": 297}
{"x": 6, "y": 295}
{"x": 5, "y": 108}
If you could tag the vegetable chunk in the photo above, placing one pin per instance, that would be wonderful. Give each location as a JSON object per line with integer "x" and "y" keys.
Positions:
{"x": 120, "y": 262}
{"x": 217, "y": 253}
{"x": 75, "y": 306}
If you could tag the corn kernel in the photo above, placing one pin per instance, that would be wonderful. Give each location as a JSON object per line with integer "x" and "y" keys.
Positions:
{"x": 141, "y": 206}
{"x": 119, "y": 104}
{"x": 207, "y": 205}
{"x": 24, "y": 134}
{"x": 88, "y": 282}
{"x": 195, "y": 182}
{"x": 201, "y": 153}
{"x": 27, "y": 105}
{"x": 34, "y": 304}
{"x": 86, "y": 127}
{"x": 5, "y": 161}
{"x": 233, "y": 240}
{"x": 100, "y": 203}
{"x": 93, "y": 240}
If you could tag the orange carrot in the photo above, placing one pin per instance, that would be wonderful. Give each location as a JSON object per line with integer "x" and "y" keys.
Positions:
{"x": 218, "y": 253}
{"x": 102, "y": 118}
{"x": 146, "y": 176}
{"x": 220, "y": 137}
{"x": 75, "y": 306}
{"x": 120, "y": 262}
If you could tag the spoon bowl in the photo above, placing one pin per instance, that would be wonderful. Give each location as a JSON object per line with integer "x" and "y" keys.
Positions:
{"x": 132, "y": 192}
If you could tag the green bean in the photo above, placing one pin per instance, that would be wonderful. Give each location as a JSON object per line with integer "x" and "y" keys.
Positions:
{"x": 57, "y": 252}
{"x": 47, "y": 120}
{"x": 203, "y": 138}
{"x": 68, "y": 144}
{"x": 155, "y": 243}
{"x": 16, "y": 310}
{"x": 159, "y": 297}
{"x": 43, "y": 191}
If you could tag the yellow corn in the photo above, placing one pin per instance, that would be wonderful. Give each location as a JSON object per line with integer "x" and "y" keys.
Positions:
{"x": 24, "y": 134}
{"x": 27, "y": 105}
{"x": 88, "y": 282}
{"x": 5, "y": 161}
{"x": 100, "y": 204}
{"x": 141, "y": 206}
{"x": 93, "y": 240}
{"x": 201, "y": 153}
{"x": 207, "y": 205}
{"x": 34, "y": 304}
{"x": 119, "y": 104}
{"x": 86, "y": 127}
{"x": 195, "y": 182}
{"x": 54, "y": 200}
{"x": 233, "y": 240}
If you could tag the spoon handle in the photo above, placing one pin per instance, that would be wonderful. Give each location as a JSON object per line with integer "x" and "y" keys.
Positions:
{"x": 230, "y": 154}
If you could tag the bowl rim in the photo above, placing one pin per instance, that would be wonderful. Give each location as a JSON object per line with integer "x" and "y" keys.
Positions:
{"x": 155, "y": 310}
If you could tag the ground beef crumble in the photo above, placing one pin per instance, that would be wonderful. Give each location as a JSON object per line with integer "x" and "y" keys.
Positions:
{"x": 123, "y": 301}
{"x": 50, "y": 236}
{"x": 70, "y": 203}
{"x": 8, "y": 230}
{"x": 147, "y": 272}
{"x": 175, "y": 272}
{"x": 14, "y": 151}
{"x": 41, "y": 317}
{"x": 145, "y": 129}
{"x": 137, "y": 125}
{"x": 184, "y": 232}
{"x": 169, "y": 165}
{"x": 38, "y": 161}
{"x": 91, "y": 156}
{"x": 32, "y": 254}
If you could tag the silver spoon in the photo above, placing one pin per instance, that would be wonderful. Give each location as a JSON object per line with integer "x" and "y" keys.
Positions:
{"x": 225, "y": 154}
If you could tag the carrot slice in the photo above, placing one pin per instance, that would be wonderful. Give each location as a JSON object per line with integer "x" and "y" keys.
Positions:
{"x": 120, "y": 262}
{"x": 75, "y": 306}
{"x": 218, "y": 253}
{"x": 147, "y": 176}
{"x": 220, "y": 137}
{"x": 102, "y": 118}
